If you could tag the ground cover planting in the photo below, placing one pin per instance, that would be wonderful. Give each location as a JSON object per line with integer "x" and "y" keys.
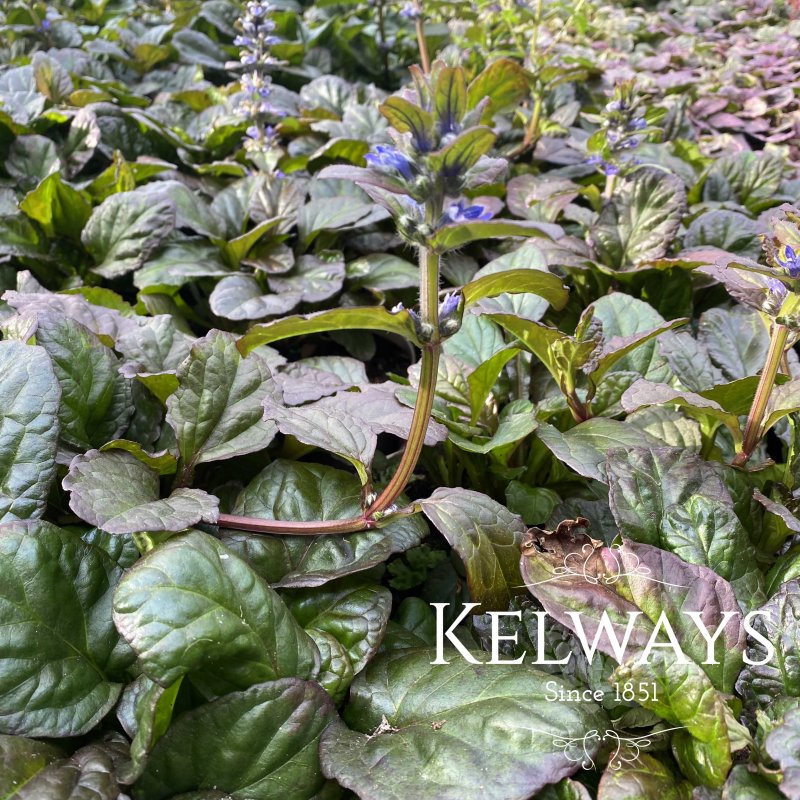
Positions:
{"x": 399, "y": 400}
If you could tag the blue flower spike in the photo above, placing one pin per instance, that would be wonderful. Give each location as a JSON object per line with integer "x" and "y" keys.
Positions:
{"x": 461, "y": 212}
{"x": 789, "y": 260}
{"x": 385, "y": 157}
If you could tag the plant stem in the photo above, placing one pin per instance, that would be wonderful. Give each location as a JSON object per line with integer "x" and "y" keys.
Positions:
{"x": 753, "y": 431}
{"x": 293, "y": 527}
{"x": 429, "y": 367}
{"x": 382, "y": 43}
{"x": 422, "y": 42}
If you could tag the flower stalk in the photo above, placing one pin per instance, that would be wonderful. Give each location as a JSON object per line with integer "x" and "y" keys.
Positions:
{"x": 754, "y": 428}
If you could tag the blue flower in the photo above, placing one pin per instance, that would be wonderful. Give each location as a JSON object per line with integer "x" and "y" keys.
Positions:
{"x": 460, "y": 212}
{"x": 449, "y": 304}
{"x": 410, "y": 11}
{"x": 789, "y": 260}
{"x": 637, "y": 124}
{"x": 605, "y": 166}
{"x": 389, "y": 158}
{"x": 777, "y": 289}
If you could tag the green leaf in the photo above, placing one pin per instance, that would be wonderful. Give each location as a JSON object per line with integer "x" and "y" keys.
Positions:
{"x": 406, "y": 117}
{"x": 641, "y": 220}
{"x": 707, "y": 531}
{"x": 21, "y": 760}
{"x": 751, "y": 179}
{"x": 57, "y": 207}
{"x": 154, "y": 344}
{"x": 450, "y": 97}
{"x": 760, "y": 685}
{"x": 20, "y": 237}
{"x": 179, "y": 263}
{"x": 331, "y": 213}
{"x": 783, "y": 745}
{"x": 503, "y": 81}
{"x": 487, "y": 537}
{"x": 31, "y": 159}
{"x": 328, "y": 429}
{"x": 516, "y": 281}
{"x": 306, "y": 492}
{"x": 783, "y": 400}
{"x": 145, "y": 711}
{"x": 455, "y": 159}
{"x": 238, "y": 297}
{"x": 644, "y": 394}
{"x": 785, "y": 568}
{"x": 560, "y": 353}
{"x": 584, "y": 447}
{"x": 125, "y": 229}
{"x": 533, "y": 503}
{"x": 163, "y": 462}
{"x": 216, "y": 411}
{"x": 426, "y": 725}
{"x": 684, "y": 696}
{"x": 354, "y": 614}
{"x": 96, "y": 400}
{"x": 117, "y": 492}
{"x": 516, "y": 421}
{"x": 29, "y": 400}
{"x": 646, "y": 483}
{"x": 314, "y": 279}
{"x": 639, "y": 778}
{"x": 19, "y": 97}
{"x": 192, "y": 606}
{"x": 451, "y": 237}
{"x": 273, "y": 755}
{"x": 736, "y": 340}
{"x": 381, "y": 272}
{"x": 195, "y": 47}
{"x": 728, "y": 230}
{"x": 481, "y": 381}
{"x": 745, "y": 785}
{"x": 371, "y": 318}
{"x": 61, "y": 648}
{"x": 236, "y": 249}
{"x": 629, "y": 326}
{"x": 89, "y": 773}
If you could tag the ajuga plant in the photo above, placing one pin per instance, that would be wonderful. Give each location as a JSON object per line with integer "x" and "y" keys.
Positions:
{"x": 773, "y": 291}
{"x": 256, "y": 38}
{"x": 623, "y": 127}
{"x": 439, "y": 155}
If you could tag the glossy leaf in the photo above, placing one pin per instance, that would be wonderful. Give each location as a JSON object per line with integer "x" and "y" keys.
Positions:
{"x": 373, "y": 318}
{"x": 192, "y": 606}
{"x": 95, "y": 399}
{"x": 60, "y": 673}
{"x": 273, "y": 755}
{"x": 216, "y": 411}
{"x": 125, "y": 229}
{"x": 426, "y": 726}
{"x": 638, "y": 224}
{"x": 486, "y": 536}
{"x": 299, "y": 491}
{"x": 120, "y": 494}
{"x": 29, "y": 401}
